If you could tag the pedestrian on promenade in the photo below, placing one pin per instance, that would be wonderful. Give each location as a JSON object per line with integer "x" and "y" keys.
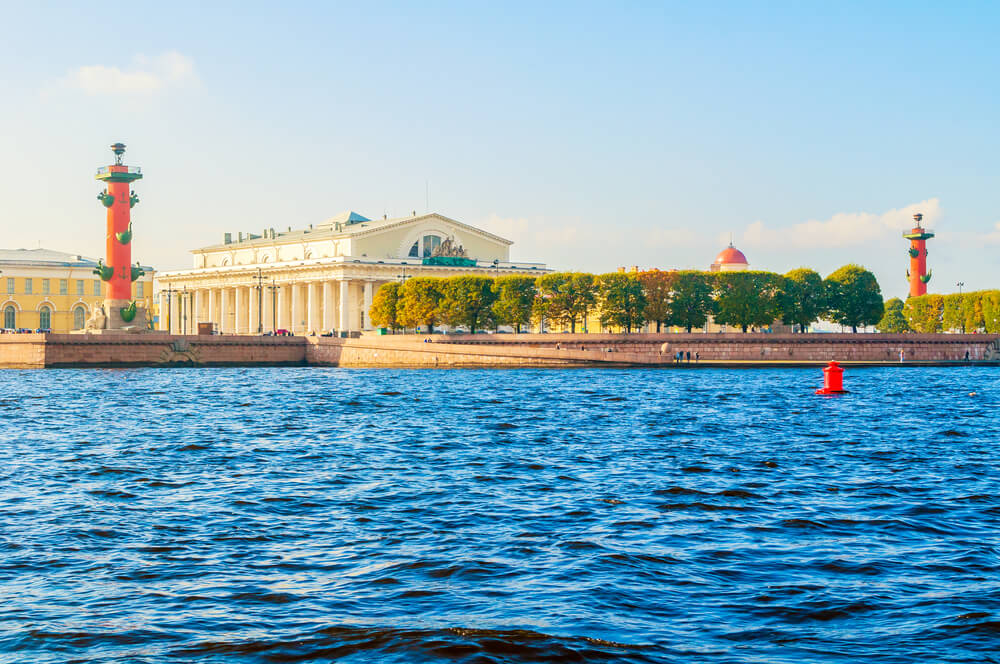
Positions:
{"x": 901, "y": 355}
{"x": 689, "y": 357}
{"x": 697, "y": 356}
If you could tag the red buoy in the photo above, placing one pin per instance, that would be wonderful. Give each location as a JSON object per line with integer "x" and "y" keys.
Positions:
{"x": 833, "y": 379}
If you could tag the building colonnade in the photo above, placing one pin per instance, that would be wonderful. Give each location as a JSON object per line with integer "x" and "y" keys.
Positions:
{"x": 302, "y": 307}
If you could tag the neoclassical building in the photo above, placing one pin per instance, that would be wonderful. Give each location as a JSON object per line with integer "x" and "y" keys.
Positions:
{"x": 52, "y": 290}
{"x": 322, "y": 278}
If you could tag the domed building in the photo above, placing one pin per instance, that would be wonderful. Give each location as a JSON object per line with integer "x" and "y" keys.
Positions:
{"x": 730, "y": 259}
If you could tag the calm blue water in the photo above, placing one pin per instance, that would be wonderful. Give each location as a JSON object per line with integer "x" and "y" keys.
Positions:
{"x": 294, "y": 515}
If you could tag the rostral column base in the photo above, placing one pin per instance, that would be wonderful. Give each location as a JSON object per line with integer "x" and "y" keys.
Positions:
{"x": 113, "y": 311}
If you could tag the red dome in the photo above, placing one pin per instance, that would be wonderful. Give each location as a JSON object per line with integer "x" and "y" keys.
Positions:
{"x": 731, "y": 256}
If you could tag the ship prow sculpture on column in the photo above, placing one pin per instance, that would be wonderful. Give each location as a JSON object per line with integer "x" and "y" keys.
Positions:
{"x": 119, "y": 312}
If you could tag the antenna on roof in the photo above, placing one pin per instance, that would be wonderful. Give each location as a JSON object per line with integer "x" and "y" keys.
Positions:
{"x": 730, "y": 238}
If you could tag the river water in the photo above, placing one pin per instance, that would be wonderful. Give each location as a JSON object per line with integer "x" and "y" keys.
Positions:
{"x": 296, "y": 515}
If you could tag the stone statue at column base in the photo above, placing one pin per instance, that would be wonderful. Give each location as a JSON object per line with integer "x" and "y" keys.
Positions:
{"x": 116, "y": 317}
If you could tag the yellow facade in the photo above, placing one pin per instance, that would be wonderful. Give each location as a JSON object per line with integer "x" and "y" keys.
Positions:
{"x": 51, "y": 290}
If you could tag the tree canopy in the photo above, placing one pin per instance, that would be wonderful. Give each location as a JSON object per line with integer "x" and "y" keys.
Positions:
{"x": 802, "y": 298}
{"x": 566, "y": 297}
{"x": 893, "y": 320}
{"x": 659, "y": 289}
{"x": 746, "y": 299}
{"x": 384, "y": 310}
{"x": 515, "y": 300}
{"x": 853, "y": 297}
{"x": 692, "y": 302}
{"x": 419, "y": 303}
{"x": 622, "y": 300}
{"x": 467, "y": 301}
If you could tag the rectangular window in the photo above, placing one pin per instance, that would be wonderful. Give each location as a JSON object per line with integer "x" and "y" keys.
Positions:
{"x": 45, "y": 286}
{"x": 63, "y": 286}
{"x": 27, "y": 286}
{"x": 79, "y": 287}
{"x": 10, "y": 285}
{"x": 139, "y": 290}
{"x": 97, "y": 286}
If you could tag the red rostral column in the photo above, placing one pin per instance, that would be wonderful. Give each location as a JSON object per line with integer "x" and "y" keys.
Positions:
{"x": 119, "y": 273}
{"x": 918, "y": 273}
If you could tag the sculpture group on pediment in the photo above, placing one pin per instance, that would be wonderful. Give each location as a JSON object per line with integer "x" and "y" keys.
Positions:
{"x": 449, "y": 249}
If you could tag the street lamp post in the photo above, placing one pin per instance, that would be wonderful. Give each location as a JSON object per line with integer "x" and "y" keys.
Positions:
{"x": 184, "y": 307}
{"x": 960, "y": 284}
{"x": 260, "y": 301}
{"x": 274, "y": 305}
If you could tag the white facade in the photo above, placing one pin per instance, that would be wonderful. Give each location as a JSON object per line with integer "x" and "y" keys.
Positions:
{"x": 319, "y": 279}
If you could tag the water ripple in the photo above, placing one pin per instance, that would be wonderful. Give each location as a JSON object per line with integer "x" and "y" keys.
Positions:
{"x": 307, "y": 515}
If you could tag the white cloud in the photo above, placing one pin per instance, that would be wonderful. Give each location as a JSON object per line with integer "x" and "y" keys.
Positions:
{"x": 994, "y": 237}
{"x": 146, "y": 75}
{"x": 844, "y": 229}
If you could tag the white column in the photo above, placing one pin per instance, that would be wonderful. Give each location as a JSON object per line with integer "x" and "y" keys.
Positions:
{"x": 211, "y": 307}
{"x": 197, "y": 311}
{"x": 162, "y": 324}
{"x": 224, "y": 325}
{"x": 296, "y": 322}
{"x": 175, "y": 313}
{"x": 327, "y": 307}
{"x": 238, "y": 310}
{"x": 254, "y": 306}
{"x": 344, "y": 325}
{"x": 369, "y": 295}
{"x": 311, "y": 302}
{"x": 282, "y": 307}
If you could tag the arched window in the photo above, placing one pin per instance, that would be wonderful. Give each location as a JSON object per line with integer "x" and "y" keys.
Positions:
{"x": 10, "y": 317}
{"x": 79, "y": 317}
{"x": 45, "y": 318}
{"x": 431, "y": 242}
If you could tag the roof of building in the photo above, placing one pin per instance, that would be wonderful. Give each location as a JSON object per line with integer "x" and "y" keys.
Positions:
{"x": 44, "y": 257}
{"x": 731, "y": 256}
{"x": 47, "y": 258}
{"x": 342, "y": 225}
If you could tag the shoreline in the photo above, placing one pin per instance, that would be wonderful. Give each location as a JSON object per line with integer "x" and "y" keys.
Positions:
{"x": 48, "y": 350}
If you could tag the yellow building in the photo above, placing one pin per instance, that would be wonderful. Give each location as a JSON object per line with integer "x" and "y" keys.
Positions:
{"x": 51, "y": 290}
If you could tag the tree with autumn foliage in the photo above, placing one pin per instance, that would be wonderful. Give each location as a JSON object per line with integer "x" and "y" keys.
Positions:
{"x": 384, "y": 311}
{"x": 658, "y": 286}
{"x": 419, "y": 303}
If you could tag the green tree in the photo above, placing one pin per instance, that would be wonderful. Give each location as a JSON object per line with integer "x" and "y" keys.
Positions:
{"x": 658, "y": 287}
{"x": 622, "y": 300}
{"x": 515, "y": 300}
{"x": 972, "y": 311}
{"x": 747, "y": 299}
{"x": 566, "y": 297}
{"x": 923, "y": 313}
{"x": 692, "y": 303}
{"x": 467, "y": 300}
{"x": 953, "y": 315}
{"x": 419, "y": 303}
{"x": 384, "y": 311}
{"x": 893, "y": 320}
{"x": 990, "y": 302}
{"x": 853, "y": 297}
{"x": 802, "y": 299}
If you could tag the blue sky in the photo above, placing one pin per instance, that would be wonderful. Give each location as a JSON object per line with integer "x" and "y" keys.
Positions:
{"x": 592, "y": 134}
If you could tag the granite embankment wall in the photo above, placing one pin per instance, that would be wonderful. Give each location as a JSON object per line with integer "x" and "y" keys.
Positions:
{"x": 499, "y": 350}
{"x": 142, "y": 350}
{"x": 759, "y": 347}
